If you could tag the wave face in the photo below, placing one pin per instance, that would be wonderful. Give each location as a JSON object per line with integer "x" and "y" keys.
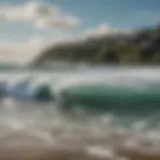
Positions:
{"x": 130, "y": 129}
{"x": 91, "y": 87}
{"x": 116, "y": 98}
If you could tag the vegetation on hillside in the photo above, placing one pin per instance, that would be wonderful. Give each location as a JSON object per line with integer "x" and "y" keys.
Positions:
{"x": 139, "y": 47}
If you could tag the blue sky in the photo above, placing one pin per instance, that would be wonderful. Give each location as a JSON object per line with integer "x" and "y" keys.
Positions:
{"x": 90, "y": 14}
{"x": 119, "y": 13}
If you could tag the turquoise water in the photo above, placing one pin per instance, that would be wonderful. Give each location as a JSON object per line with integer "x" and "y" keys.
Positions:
{"x": 118, "y": 95}
{"x": 116, "y": 88}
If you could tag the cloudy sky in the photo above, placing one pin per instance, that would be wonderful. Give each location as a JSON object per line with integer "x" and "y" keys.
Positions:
{"x": 27, "y": 26}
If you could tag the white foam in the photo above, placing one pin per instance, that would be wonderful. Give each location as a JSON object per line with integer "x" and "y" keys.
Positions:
{"x": 102, "y": 133}
{"x": 101, "y": 152}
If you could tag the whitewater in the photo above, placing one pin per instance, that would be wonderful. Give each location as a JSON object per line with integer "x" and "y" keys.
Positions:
{"x": 40, "y": 130}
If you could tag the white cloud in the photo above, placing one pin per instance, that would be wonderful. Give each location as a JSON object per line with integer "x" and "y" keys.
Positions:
{"x": 104, "y": 30}
{"x": 22, "y": 52}
{"x": 40, "y": 14}
{"x": 100, "y": 31}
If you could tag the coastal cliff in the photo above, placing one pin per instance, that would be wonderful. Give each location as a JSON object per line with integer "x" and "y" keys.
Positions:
{"x": 138, "y": 47}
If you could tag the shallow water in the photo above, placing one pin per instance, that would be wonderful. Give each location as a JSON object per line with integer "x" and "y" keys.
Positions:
{"x": 32, "y": 130}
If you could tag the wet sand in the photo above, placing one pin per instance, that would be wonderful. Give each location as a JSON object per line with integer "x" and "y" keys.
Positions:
{"x": 60, "y": 154}
{"x": 42, "y": 133}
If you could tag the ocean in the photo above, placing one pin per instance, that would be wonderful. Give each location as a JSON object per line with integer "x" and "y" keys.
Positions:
{"x": 115, "y": 114}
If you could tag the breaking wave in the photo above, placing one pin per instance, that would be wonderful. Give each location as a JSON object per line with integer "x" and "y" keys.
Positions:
{"x": 42, "y": 130}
